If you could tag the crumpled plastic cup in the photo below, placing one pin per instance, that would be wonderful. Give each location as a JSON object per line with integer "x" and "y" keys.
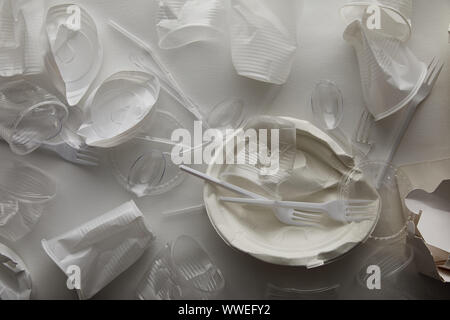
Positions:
{"x": 75, "y": 54}
{"x": 15, "y": 279}
{"x": 29, "y": 116}
{"x": 394, "y": 16}
{"x": 24, "y": 191}
{"x": 182, "y": 270}
{"x": 181, "y": 22}
{"x": 263, "y": 44}
{"x": 103, "y": 248}
{"x": 391, "y": 75}
{"x": 119, "y": 108}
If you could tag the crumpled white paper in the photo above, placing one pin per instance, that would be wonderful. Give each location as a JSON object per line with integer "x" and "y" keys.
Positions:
{"x": 103, "y": 248}
{"x": 15, "y": 280}
{"x": 181, "y": 22}
{"x": 391, "y": 75}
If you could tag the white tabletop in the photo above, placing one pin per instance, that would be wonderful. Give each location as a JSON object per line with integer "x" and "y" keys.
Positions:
{"x": 206, "y": 73}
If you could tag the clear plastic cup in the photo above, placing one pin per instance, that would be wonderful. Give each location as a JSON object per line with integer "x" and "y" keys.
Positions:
{"x": 29, "y": 116}
{"x": 182, "y": 270}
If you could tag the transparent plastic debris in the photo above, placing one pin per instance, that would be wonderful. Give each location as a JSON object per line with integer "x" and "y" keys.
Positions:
{"x": 145, "y": 167}
{"x": 263, "y": 43}
{"x": 268, "y": 170}
{"x": 17, "y": 218}
{"x": 394, "y": 217}
{"x": 181, "y": 271}
{"x": 24, "y": 191}
{"x": 155, "y": 137}
{"x": 103, "y": 248}
{"x": 9, "y": 24}
{"x": 320, "y": 165}
{"x": 69, "y": 130}
{"x": 119, "y": 108}
{"x": 327, "y": 106}
{"x": 391, "y": 258}
{"x": 181, "y": 22}
{"x": 228, "y": 114}
{"x": 274, "y": 292}
{"x": 15, "y": 279}
{"x": 391, "y": 75}
{"x": 21, "y": 52}
{"x": 29, "y": 116}
{"x": 390, "y": 18}
{"x": 75, "y": 53}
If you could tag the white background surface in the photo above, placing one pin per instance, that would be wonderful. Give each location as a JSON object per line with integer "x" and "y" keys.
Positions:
{"x": 206, "y": 72}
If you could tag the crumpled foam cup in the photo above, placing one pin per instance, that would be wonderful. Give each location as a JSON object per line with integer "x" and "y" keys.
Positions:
{"x": 103, "y": 248}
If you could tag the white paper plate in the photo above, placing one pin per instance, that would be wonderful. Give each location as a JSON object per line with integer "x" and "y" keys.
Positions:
{"x": 256, "y": 231}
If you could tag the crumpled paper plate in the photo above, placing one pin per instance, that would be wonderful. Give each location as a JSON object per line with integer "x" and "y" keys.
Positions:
{"x": 256, "y": 231}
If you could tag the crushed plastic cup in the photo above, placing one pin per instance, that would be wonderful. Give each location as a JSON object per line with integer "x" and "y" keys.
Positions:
{"x": 29, "y": 116}
{"x": 394, "y": 217}
{"x": 9, "y": 24}
{"x": 119, "y": 108}
{"x": 75, "y": 53}
{"x": 15, "y": 279}
{"x": 228, "y": 114}
{"x": 394, "y": 16}
{"x": 266, "y": 175}
{"x": 24, "y": 192}
{"x": 102, "y": 248}
{"x": 182, "y": 270}
{"x": 21, "y": 52}
{"x": 145, "y": 167}
{"x": 181, "y": 22}
{"x": 263, "y": 44}
{"x": 391, "y": 75}
{"x": 69, "y": 130}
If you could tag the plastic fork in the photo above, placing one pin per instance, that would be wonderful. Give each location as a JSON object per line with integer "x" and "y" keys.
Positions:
{"x": 346, "y": 211}
{"x": 285, "y": 215}
{"x": 362, "y": 133}
{"x": 84, "y": 156}
{"x": 434, "y": 69}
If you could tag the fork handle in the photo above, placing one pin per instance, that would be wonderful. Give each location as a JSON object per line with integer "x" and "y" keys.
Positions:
{"x": 223, "y": 184}
{"x": 314, "y": 207}
{"x": 400, "y": 133}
